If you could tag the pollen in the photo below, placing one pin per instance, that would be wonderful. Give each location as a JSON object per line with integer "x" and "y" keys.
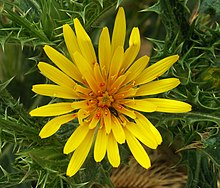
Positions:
{"x": 105, "y": 100}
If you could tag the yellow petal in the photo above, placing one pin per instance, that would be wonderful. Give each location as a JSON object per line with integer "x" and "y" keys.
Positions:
{"x": 118, "y": 131}
{"x": 116, "y": 61}
{"x": 70, "y": 40}
{"x": 82, "y": 114}
{"x": 54, "y": 91}
{"x": 133, "y": 50}
{"x": 96, "y": 118}
{"x": 158, "y": 86}
{"x": 135, "y": 39}
{"x": 125, "y": 92}
{"x": 170, "y": 106}
{"x": 86, "y": 71}
{"x": 63, "y": 63}
{"x": 56, "y": 75}
{"x": 53, "y": 125}
{"x": 107, "y": 120}
{"x": 117, "y": 84}
{"x": 136, "y": 68}
{"x": 113, "y": 151}
{"x": 156, "y": 70}
{"x": 128, "y": 112}
{"x": 119, "y": 31}
{"x": 137, "y": 150}
{"x": 139, "y": 105}
{"x": 146, "y": 124}
{"x": 142, "y": 134}
{"x": 85, "y": 43}
{"x": 104, "y": 50}
{"x": 100, "y": 145}
{"x": 101, "y": 82}
{"x": 81, "y": 104}
{"x": 79, "y": 156}
{"x": 76, "y": 138}
{"x": 52, "y": 109}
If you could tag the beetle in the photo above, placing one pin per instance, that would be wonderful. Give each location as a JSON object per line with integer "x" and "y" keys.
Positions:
{"x": 113, "y": 111}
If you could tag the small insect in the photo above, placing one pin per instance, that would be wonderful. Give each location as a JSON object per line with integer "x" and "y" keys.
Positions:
{"x": 113, "y": 111}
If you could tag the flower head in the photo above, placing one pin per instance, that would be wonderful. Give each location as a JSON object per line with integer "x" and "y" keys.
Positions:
{"x": 106, "y": 95}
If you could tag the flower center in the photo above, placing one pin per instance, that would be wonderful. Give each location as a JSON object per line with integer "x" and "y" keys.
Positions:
{"x": 105, "y": 100}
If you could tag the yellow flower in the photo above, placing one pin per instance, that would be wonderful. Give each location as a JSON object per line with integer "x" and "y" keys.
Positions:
{"x": 106, "y": 95}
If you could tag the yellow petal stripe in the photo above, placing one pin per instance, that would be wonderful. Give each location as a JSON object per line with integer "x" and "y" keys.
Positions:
{"x": 158, "y": 86}
{"x": 76, "y": 138}
{"x": 104, "y": 50}
{"x": 62, "y": 62}
{"x": 156, "y": 70}
{"x": 169, "y": 105}
{"x": 70, "y": 40}
{"x": 56, "y": 75}
{"x": 134, "y": 47}
{"x": 142, "y": 134}
{"x": 53, "y": 125}
{"x": 119, "y": 31}
{"x": 79, "y": 156}
{"x": 146, "y": 124}
{"x": 139, "y": 105}
{"x": 52, "y": 109}
{"x": 85, "y": 43}
{"x": 136, "y": 68}
{"x": 113, "y": 151}
{"x": 118, "y": 131}
{"x": 100, "y": 145}
{"x": 137, "y": 150}
{"x": 54, "y": 91}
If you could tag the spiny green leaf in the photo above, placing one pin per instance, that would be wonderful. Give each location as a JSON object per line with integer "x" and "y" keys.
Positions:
{"x": 118, "y": 3}
{"x": 154, "y": 8}
{"x": 5, "y": 84}
{"x": 27, "y": 25}
{"x": 212, "y": 147}
{"x": 210, "y": 6}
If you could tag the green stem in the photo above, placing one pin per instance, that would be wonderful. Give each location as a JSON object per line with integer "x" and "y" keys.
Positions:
{"x": 107, "y": 178}
{"x": 197, "y": 171}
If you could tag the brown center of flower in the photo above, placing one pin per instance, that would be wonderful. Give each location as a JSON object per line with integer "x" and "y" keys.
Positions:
{"x": 105, "y": 100}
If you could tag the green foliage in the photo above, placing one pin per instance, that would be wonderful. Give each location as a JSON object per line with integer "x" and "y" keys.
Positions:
{"x": 195, "y": 37}
{"x": 37, "y": 23}
{"x": 25, "y": 27}
{"x": 188, "y": 28}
